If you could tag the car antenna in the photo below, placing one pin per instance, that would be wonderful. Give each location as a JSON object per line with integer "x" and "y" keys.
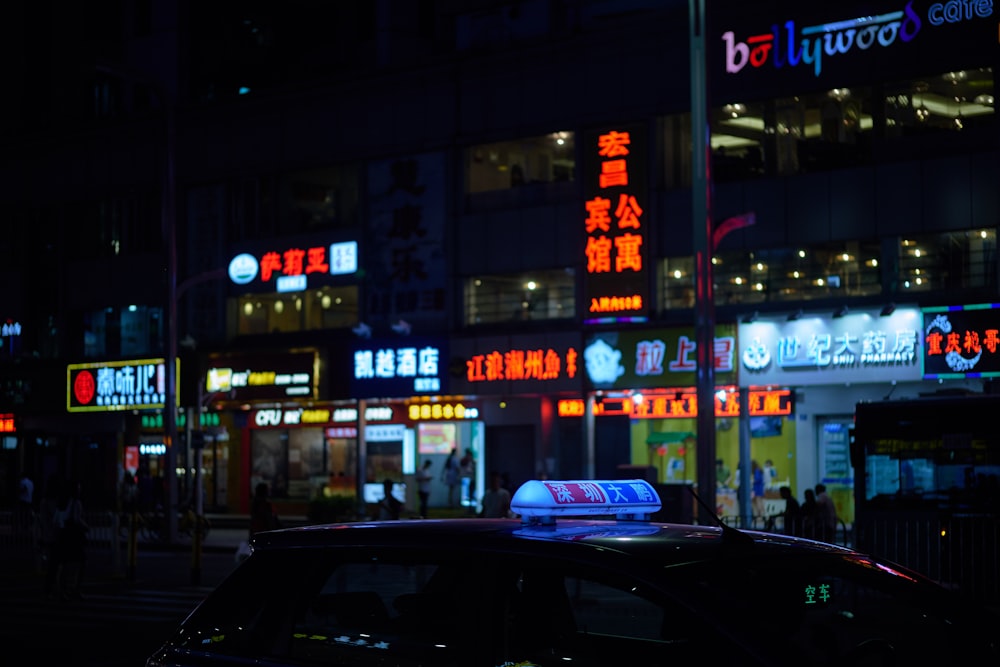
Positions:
{"x": 729, "y": 534}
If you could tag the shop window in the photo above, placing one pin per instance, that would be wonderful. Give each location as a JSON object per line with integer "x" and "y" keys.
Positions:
{"x": 311, "y": 310}
{"x": 942, "y": 103}
{"x": 549, "y": 158}
{"x": 953, "y": 260}
{"x": 539, "y": 295}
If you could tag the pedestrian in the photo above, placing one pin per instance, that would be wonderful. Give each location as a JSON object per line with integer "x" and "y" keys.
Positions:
{"x": 791, "y": 515}
{"x": 496, "y": 500}
{"x": 424, "y": 478}
{"x": 467, "y": 471}
{"x": 71, "y": 541}
{"x": 262, "y": 514}
{"x": 757, "y": 488}
{"x": 826, "y": 515}
{"x": 808, "y": 515}
{"x": 389, "y": 507}
{"x": 49, "y": 519}
{"x": 25, "y": 502}
{"x": 450, "y": 476}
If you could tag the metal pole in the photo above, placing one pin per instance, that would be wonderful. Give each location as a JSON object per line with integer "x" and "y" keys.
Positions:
{"x": 701, "y": 189}
{"x": 362, "y": 455}
{"x": 590, "y": 455}
{"x": 170, "y": 403}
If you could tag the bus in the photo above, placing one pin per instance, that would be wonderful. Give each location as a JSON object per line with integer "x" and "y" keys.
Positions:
{"x": 927, "y": 487}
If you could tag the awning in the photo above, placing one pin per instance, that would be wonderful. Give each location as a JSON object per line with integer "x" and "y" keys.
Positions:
{"x": 668, "y": 437}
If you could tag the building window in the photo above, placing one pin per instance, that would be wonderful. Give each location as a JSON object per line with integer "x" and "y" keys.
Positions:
{"x": 324, "y": 308}
{"x": 953, "y": 260}
{"x": 804, "y": 133}
{"x": 843, "y": 269}
{"x": 549, "y": 158}
{"x": 319, "y": 199}
{"x": 539, "y": 295}
{"x": 941, "y": 103}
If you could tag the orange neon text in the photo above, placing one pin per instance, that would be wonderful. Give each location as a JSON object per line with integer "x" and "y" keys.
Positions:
{"x": 521, "y": 365}
{"x": 616, "y": 304}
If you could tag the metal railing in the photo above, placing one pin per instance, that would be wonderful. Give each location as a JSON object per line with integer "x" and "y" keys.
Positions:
{"x": 21, "y": 534}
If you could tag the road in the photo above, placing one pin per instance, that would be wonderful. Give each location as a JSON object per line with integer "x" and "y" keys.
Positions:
{"x": 125, "y": 613}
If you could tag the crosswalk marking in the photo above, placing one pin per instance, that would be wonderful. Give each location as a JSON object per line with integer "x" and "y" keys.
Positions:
{"x": 103, "y": 609}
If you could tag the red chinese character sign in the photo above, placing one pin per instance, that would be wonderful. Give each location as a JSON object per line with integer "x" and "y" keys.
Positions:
{"x": 615, "y": 224}
{"x": 962, "y": 341}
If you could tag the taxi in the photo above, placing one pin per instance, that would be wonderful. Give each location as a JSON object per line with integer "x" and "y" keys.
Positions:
{"x": 583, "y": 577}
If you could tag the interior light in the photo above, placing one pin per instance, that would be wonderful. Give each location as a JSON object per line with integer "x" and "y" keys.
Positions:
{"x": 759, "y": 287}
{"x": 760, "y": 267}
{"x": 845, "y": 257}
{"x": 802, "y": 253}
{"x": 279, "y": 306}
{"x": 795, "y": 274}
{"x": 982, "y": 234}
{"x": 916, "y": 252}
{"x": 677, "y": 273}
{"x": 738, "y": 280}
{"x": 248, "y": 308}
{"x": 531, "y": 285}
{"x": 325, "y": 301}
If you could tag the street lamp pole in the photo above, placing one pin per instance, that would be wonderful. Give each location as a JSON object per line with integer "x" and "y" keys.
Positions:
{"x": 701, "y": 215}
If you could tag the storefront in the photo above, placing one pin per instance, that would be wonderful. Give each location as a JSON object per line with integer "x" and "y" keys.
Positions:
{"x": 831, "y": 362}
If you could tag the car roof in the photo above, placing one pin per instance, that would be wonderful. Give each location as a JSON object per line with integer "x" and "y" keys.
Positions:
{"x": 663, "y": 542}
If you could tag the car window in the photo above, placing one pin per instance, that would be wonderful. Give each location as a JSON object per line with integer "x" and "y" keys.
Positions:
{"x": 825, "y": 609}
{"x": 565, "y": 613}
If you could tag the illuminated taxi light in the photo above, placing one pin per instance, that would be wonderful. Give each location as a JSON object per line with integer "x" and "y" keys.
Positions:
{"x": 545, "y": 500}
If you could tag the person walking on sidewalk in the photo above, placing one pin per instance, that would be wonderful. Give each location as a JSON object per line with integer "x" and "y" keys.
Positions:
{"x": 424, "y": 478}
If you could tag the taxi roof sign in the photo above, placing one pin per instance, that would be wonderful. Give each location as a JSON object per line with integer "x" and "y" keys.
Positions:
{"x": 543, "y": 500}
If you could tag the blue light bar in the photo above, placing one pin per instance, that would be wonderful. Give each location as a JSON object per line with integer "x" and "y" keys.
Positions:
{"x": 545, "y": 500}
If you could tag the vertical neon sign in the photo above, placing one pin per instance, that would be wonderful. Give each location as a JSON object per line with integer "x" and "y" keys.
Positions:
{"x": 614, "y": 221}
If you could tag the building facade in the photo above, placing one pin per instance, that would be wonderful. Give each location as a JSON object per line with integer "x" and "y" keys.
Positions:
{"x": 391, "y": 230}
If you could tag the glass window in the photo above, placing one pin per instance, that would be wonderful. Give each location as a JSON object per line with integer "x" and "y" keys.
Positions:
{"x": 809, "y": 132}
{"x": 323, "y": 308}
{"x": 549, "y": 158}
{"x": 539, "y": 295}
{"x": 847, "y": 269}
{"x": 953, "y": 260}
{"x": 941, "y": 103}
{"x": 123, "y": 332}
{"x": 319, "y": 199}
{"x": 790, "y": 274}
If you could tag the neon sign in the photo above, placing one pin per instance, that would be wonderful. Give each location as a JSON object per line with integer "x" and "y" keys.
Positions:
{"x": 393, "y": 369}
{"x": 442, "y": 411}
{"x": 615, "y": 246}
{"x": 289, "y": 268}
{"x": 787, "y": 46}
{"x": 521, "y": 365}
{"x": 962, "y": 341}
{"x": 117, "y": 385}
{"x": 682, "y": 403}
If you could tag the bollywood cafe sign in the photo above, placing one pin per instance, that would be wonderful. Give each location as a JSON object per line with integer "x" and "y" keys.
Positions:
{"x": 788, "y": 45}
